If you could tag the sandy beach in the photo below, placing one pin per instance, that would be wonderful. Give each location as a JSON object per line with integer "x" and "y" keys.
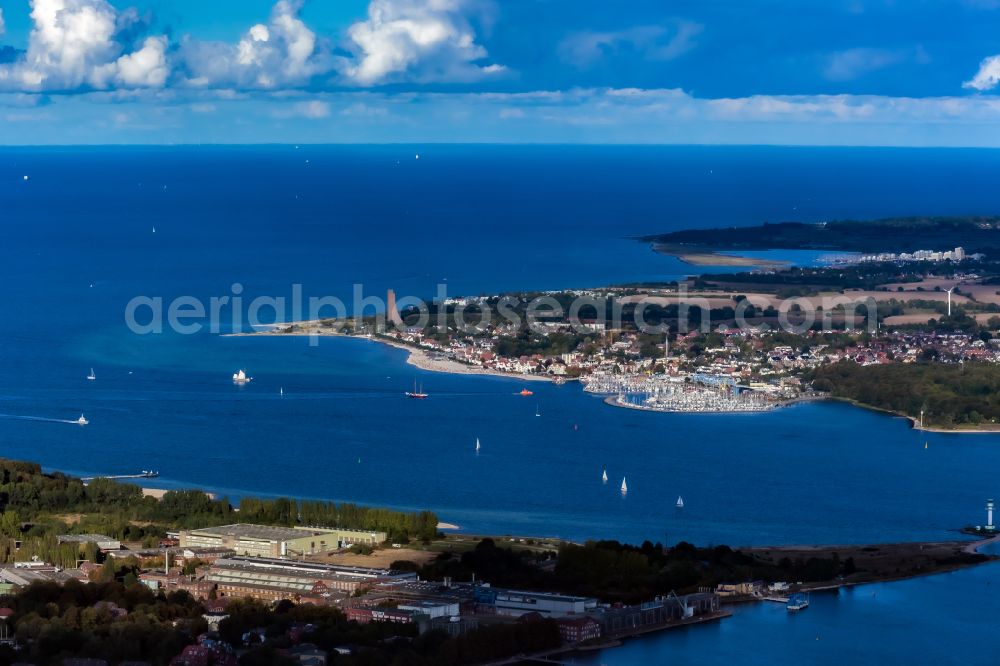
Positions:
{"x": 158, "y": 493}
{"x": 708, "y": 259}
{"x": 702, "y": 257}
{"x": 423, "y": 360}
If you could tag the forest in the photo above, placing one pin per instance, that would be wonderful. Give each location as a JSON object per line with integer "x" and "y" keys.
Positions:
{"x": 37, "y": 506}
{"x": 905, "y": 234}
{"x": 951, "y": 395}
{"x": 613, "y": 571}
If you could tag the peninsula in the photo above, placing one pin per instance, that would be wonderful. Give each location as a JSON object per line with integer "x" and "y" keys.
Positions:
{"x": 905, "y": 233}
{"x": 903, "y": 329}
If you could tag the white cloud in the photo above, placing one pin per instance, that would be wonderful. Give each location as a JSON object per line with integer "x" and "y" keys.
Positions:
{"x": 626, "y": 108}
{"x": 312, "y": 110}
{"x": 988, "y": 75}
{"x": 362, "y": 110}
{"x": 852, "y": 63}
{"x": 69, "y": 38}
{"x": 76, "y": 45}
{"x": 421, "y": 40}
{"x": 582, "y": 115}
{"x": 73, "y": 44}
{"x": 146, "y": 68}
{"x": 283, "y": 53}
{"x": 654, "y": 42}
{"x": 637, "y": 107}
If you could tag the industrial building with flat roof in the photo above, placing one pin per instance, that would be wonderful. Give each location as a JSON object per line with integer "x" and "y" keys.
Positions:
{"x": 272, "y": 579}
{"x": 22, "y": 574}
{"x": 103, "y": 542}
{"x": 270, "y": 541}
{"x": 517, "y": 602}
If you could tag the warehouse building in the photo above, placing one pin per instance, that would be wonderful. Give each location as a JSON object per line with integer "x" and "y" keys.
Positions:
{"x": 23, "y": 574}
{"x": 269, "y": 541}
{"x": 492, "y": 600}
{"x": 103, "y": 542}
{"x": 625, "y": 620}
{"x": 272, "y": 579}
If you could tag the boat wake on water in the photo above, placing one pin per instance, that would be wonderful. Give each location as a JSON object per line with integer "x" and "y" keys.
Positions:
{"x": 45, "y": 419}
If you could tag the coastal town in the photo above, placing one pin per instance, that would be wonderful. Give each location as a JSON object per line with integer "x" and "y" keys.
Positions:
{"x": 958, "y": 254}
{"x": 754, "y": 366}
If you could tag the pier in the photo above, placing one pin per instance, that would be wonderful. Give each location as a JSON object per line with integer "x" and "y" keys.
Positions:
{"x": 119, "y": 477}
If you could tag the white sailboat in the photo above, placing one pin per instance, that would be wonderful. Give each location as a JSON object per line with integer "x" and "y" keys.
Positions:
{"x": 241, "y": 377}
{"x": 477, "y": 445}
{"x": 417, "y": 394}
{"x": 624, "y": 486}
{"x": 604, "y": 476}
{"x": 81, "y": 421}
{"x": 680, "y": 502}
{"x": 91, "y": 376}
{"x": 537, "y": 413}
{"x": 281, "y": 390}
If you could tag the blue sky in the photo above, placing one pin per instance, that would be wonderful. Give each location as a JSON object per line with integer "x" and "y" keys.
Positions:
{"x": 838, "y": 72}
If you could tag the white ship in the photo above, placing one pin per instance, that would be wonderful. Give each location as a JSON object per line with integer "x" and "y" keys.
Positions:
{"x": 797, "y": 602}
{"x": 241, "y": 377}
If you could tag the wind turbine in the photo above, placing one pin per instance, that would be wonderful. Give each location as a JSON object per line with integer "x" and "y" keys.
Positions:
{"x": 949, "y": 300}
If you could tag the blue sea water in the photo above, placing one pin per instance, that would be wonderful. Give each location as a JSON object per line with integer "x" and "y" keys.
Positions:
{"x": 77, "y": 243}
{"x": 940, "y": 619}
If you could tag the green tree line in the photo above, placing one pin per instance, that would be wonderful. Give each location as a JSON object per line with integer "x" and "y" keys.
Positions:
{"x": 950, "y": 394}
{"x": 36, "y": 506}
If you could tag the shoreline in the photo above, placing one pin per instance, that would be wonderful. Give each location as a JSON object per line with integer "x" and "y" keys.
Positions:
{"x": 418, "y": 358}
{"x": 421, "y": 359}
{"x": 703, "y": 256}
{"x": 994, "y": 429}
{"x": 971, "y": 545}
{"x": 617, "y": 640}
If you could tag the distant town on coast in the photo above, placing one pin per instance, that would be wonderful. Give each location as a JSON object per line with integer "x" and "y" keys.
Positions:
{"x": 908, "y": 333}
